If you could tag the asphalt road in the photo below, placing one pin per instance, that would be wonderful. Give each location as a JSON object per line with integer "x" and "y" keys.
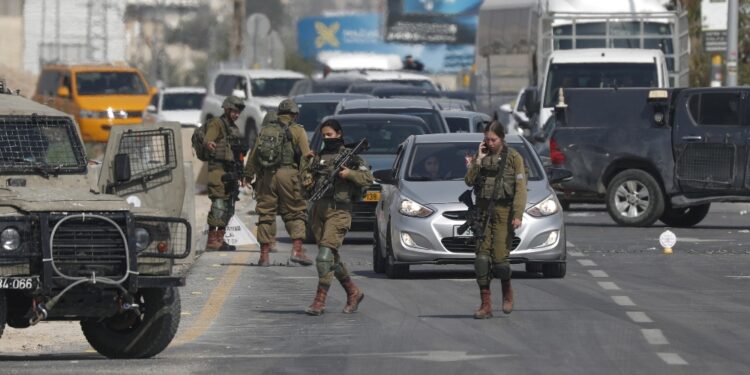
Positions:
{"x": 623, "y": 308}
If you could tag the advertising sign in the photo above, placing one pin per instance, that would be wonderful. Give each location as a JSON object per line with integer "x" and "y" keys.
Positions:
{"x": 432, "y": 21}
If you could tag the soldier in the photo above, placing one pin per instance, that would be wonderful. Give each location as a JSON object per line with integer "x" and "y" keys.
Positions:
{"x": 497, "y": 171}
{"x": 226, "y": 148}
{"x": 279, "y": 154}
{"x": 332, "y": 217}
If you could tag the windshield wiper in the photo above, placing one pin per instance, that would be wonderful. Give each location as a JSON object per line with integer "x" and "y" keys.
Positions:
{"x": 42, "y": 167}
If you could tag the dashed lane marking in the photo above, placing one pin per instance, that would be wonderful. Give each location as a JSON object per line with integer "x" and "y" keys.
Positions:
{"x": 586, "y": 262}
{"x": 608, "y": 285}
{"x": 639, "y": 317}
{"x": 623, "y": 300}
{"x": 672, "y": 358}
{"x": 598, "y": 273}
{"x": 737, "y": 277}
{"x": 654, "y": 336}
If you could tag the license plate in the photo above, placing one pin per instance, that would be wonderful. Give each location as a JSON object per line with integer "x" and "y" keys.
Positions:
{"x": 22, "y": 283}
{"x": 466, "y": 234}
{"x": 372, "y": 196}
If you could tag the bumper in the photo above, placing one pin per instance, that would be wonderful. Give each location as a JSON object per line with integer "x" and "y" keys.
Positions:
{"x": 97, "y": 129}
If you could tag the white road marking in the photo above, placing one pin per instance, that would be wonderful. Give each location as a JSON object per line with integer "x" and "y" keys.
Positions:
{"x": 738, "y": 277}
{"x": 587, "y": 262}
{"x": 699, "y": 240}
{"x": 672, "y": 358}
{"x": 598, "y": 273}
{"x": 574, "y": 253}
{"x": 623, "y": 300}
{"x": 569, "y": 244}
{"x": 297, "y": 277}
{"x": 654, "y": 337}
{"x": 428, "y": 356}
{"x": 608, "y": 285}
{"x": 639, "y": 317}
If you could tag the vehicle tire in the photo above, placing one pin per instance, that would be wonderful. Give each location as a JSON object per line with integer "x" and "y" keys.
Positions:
{"x": 686, "y": 216}
{"x": 145, "y": 335}
{"x": 3, "y": 312}
{"x": 251, "y": 133}
{"x": 378, "y": 263}
{"x": 634, "y": 199}
{"x": 393, "y": 270}
{"x": 533, "y": 267}
{"x": 554, "y": 270}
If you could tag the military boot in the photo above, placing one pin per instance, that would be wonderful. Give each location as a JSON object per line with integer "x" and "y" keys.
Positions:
{"x": 224, "y": 245}
{"x": 214, "y": 241}
{"x": 485, "y": 310}
{"x": 507, "y": 296}
{"x": 274, "y": 248}
{"x": 318, "y": 307}
{"x": 298, "y": 253}
{"x": 354, "y": 295}
{"x": 263, "y": 261}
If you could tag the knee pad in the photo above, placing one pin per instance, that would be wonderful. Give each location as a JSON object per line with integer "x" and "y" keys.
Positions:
{"x": 501, "y": 271}
{"x": 482, "y": 268}
{"x": 324, "y": 261}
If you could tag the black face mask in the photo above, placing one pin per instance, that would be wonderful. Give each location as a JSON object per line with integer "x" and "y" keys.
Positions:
{"x": 332, "y": 145}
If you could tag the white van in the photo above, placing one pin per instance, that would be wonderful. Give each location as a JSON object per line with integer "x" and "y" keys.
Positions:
{"x": 597, "y": 68}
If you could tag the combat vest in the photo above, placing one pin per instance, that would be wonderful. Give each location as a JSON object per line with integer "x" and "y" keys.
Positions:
{"x": 343, "y": 191}
{"x": 229, "y": 146}
{"x": 505, "y": 188}
{"x": 275, "y": 145}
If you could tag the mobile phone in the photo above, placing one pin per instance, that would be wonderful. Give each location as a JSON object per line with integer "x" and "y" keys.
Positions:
{"x": 484, "y": 148}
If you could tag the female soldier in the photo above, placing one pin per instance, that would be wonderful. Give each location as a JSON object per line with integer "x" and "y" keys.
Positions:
{"x": 497, "y": 172}
{"x": 331, "y": 215}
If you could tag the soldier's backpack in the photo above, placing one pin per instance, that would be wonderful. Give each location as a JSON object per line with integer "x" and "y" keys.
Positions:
{"x": 201, "y": 151}
{"x": 271, "y": 142}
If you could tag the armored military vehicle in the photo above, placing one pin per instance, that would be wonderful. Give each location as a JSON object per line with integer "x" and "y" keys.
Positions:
{"x": 96, "y": 252}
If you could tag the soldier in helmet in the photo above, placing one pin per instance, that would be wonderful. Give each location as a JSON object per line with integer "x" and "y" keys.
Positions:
{"x": 226, "y": 147}
{"x": 279, "y": 154}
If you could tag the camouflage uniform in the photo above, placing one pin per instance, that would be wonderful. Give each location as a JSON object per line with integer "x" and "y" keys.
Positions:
{"x": 331, "y": 220}
{"x": 222, "y": 172}
{"x": 492, "y": 253}
{"x": 279, "y": 188}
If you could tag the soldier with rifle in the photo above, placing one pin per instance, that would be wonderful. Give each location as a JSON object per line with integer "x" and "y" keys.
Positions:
{"x": 498, "y": 176}
{"x": 335, "y": 179}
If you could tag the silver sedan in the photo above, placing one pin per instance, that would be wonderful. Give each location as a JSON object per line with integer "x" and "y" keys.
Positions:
{"x": 419, "y": 212}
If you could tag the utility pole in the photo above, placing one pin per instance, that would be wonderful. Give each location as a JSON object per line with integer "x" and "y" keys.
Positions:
{"x": 238, "y": 21}
{"x": 732, "y": 25}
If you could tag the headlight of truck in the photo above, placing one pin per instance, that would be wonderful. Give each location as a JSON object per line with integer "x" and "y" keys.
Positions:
{"x": 546, "y": 207}
{"x": 11, "y": 239}
{"x": 410, "y": 208}
{"x": 142, "y": 239}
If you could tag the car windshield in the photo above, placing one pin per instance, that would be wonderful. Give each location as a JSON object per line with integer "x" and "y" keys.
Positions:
{"x": 447, "y": 161}
{"x": 39, "y": 144}
{"x": 431, "y": 118}
{"x": 597, "y": 76}
{"x": 310, "y": 114}
{"x": 110, "y": 83}
{"x": 383, "y": 136}
{"x": 458, "y": 124}
{"x": 182, "y": 101}
{"x": 272, "y": 86}
{"x": 411, "y": 82}
{"x": 331, "y": 86}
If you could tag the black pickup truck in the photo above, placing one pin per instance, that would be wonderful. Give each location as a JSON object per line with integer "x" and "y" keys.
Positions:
{"x": 654, "y": 154}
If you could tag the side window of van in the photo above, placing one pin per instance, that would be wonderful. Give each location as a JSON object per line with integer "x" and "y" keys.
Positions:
{"x": 48, "y": 82}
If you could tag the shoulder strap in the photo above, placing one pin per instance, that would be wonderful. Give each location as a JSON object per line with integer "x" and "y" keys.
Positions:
{"x": 500, "y": 171}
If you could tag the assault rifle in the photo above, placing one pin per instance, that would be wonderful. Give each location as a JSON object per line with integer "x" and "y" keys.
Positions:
{"x": 473, "y": 216}
{"x": 342, "y": 160}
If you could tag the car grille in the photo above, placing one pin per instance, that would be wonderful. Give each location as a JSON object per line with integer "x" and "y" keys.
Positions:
{"x": 466, "y": 244}
{"x": 86, "y": 245}
{"x": 364, "y": 210}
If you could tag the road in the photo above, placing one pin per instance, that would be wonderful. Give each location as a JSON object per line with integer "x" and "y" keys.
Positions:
{"x": 623, "y": 308}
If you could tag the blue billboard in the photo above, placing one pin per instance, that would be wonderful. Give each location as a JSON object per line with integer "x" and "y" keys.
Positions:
{"x": 365, "y": 33}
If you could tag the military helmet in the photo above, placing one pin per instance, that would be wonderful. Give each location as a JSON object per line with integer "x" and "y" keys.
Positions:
{"x": 288, "y": 106}
{"x": 233, "y": 102}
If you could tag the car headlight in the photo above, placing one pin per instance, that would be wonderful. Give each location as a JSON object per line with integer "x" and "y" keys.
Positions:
{"x": 409, "y": 207}
{"x": 546, "y": 207}
{"x": 91, "y": 114}
{"x": 142, "y": 239}
{"x": 11, "y": 239}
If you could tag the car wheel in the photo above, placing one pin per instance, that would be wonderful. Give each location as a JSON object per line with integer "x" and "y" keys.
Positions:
{"x": 686, "y": 216}
{"x": 250, "y": 134}
{"x": 554, "y": 270}
{"x": 533, "y": 267}
{"x": 634, "y": 199}
{"x": 378, "y": 263}
{"x": 393, "y": 270}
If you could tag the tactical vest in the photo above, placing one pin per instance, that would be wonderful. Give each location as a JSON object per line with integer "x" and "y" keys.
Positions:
{"x": 275, "y": 145}
{"x": 343, "y": 191}
{"x": 230, "y": 141}
{"x": 505, "y": 189}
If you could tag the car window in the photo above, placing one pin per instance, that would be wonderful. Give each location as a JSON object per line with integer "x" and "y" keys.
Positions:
{"x": 458, "y": 124}
{"x": 397, "y": 162}
{"x": 154, "y": 102}
{"x": 48, "y": 83}
{"x": 272, "y": 86}
{"x": 447, "y": 161}
{"x": 716, "y": 108}
{"x": 431, "y": 118}
{"x": 384, "y": 137}
{"x": 225, "y": 84}
{"x": 110, "y": 83}
{"x": 411, "y": 82}
{"x": 182, "y": 101}
{"x": 310, "y": 114}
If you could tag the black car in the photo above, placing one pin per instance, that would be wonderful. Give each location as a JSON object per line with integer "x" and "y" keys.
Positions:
{"x": 314, "y": 107}
{"x": 324, "y": 85}
{"x": 423, "y": 108}
{"x": 384, "y": 133}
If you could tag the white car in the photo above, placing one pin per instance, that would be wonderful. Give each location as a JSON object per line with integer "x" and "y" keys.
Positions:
{"x": 176, "y": 104}
{"x": 389, "y": 76}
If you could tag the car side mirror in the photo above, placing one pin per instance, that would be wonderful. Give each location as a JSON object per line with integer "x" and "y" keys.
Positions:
{"x": 122, "y": 168}
{"x": 239, "y": 93}
{"x": 557, "y": 175}
{"x": 531, "y": 101}
{"x": 63, "y": 92}
{"x": 539, "y": 137}
{"x": 151, "y": 108}
{"x": 153, "y": 90}
{"x": 384, "y": 176}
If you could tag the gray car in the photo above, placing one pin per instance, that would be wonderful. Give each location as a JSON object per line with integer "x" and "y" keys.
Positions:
{"x": 466, "y": 121}
{"x": 419, "y": 212}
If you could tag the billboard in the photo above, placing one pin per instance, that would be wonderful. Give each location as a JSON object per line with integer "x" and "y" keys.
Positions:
{"x": 365, "y": 33}
{"x": 432, "y": 21}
